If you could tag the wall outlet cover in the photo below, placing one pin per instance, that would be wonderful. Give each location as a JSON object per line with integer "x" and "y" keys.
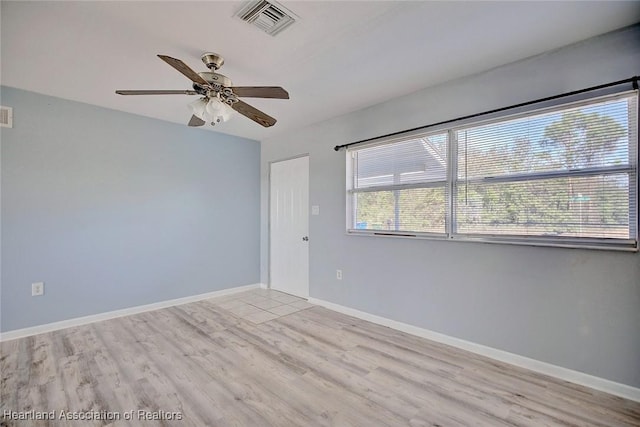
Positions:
{"x": 37, "y": 289}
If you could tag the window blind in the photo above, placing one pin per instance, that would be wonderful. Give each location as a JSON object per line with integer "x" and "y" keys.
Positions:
{"x": 568, "y": 172}
{"x": 401, "y": 186}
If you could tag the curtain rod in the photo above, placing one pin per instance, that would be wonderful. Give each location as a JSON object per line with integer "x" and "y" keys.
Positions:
{"x": 633, "y": 80}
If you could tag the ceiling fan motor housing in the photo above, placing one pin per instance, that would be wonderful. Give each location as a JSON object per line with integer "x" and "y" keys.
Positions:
{"x": 215, "y": 78}
{"x": 216, "y": 81}
{"x": 213, "y": 61}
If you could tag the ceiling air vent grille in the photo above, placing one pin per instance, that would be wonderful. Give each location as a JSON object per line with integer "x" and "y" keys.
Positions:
{"x": 6, "y": 117}
{"x": 267, "y": 16}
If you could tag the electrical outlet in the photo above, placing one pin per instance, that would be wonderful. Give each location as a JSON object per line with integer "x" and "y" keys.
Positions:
{"x": 37, "y": 289}
{"x": 339, "y": 274}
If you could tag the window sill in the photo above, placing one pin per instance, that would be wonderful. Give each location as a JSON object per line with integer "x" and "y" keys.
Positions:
{"x": 627, "y": 246}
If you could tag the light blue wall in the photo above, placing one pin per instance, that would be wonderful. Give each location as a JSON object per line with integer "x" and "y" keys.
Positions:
{"x": 113, "y": 210}
{"x": 579, "y": 309}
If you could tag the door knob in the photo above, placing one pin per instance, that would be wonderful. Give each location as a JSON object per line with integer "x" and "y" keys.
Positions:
{"x": 305, "y": 239}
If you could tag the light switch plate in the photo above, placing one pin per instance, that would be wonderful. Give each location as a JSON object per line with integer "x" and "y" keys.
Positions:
{"x": 315, "y": 210}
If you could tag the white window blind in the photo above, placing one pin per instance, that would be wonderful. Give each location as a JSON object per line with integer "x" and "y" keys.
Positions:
{"x": 568, "y": 172}
{"x": 565, "y": 175}
{"x": 401, "y": 186}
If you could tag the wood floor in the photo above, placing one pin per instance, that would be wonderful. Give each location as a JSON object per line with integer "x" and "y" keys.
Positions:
{"x": 297, "y": 366}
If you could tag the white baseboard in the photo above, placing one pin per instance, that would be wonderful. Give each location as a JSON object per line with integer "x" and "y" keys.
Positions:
{"x": 34, "y": 330}
{"x": 264, "y": 286}
{"x": 570, "y": 375}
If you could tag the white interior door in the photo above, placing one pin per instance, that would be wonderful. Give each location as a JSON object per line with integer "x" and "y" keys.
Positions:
{"x": 289, "y": 226}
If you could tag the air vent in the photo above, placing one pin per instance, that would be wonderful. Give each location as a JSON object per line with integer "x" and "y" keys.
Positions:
{"x": 268, "y": 16}
{"x": 6, "y": 117}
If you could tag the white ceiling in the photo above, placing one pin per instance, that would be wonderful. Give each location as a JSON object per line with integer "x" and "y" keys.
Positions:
{"x": 339, "y": 57}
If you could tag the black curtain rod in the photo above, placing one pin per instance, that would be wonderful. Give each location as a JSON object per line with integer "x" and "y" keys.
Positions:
{"x": 633, "y": 80}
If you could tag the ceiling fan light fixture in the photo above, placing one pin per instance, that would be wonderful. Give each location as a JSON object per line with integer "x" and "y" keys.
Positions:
{"x": 198, "y": 108}
{"x": 211, "y": 110}
{"x": 217, "y": 111}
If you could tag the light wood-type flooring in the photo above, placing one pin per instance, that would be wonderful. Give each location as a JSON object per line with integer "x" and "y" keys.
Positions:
{"x": 262, "y": 358}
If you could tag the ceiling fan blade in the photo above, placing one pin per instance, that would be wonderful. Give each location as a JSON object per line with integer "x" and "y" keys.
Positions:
{"x": 184, "y": 69}
{"x": 254, "y": 114}
{"x": 156, "y": 92}
{"x": 260, "y": 92}
{"x": 195, "y": 121}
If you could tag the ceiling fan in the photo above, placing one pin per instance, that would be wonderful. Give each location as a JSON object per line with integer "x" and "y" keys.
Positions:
{"x": 218, "y": 95}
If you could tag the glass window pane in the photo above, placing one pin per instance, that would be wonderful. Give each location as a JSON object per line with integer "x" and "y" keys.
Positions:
{"x": 414, "y": 160}
{"x": 417, "y": 210}
{"x": 374, "y": 210}
{"x": 595, "y": 206}
{"x": 595, "y": 135}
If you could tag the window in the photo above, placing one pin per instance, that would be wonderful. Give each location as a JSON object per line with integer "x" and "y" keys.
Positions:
{"x": 401, "y": 186}
{"x": 565, "y": 175}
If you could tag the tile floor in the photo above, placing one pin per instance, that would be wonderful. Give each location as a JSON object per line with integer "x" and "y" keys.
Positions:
{"x": 260, "y": 305}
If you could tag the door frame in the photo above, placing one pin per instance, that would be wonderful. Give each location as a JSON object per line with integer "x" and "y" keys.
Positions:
{"x": 284, "y": 159}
